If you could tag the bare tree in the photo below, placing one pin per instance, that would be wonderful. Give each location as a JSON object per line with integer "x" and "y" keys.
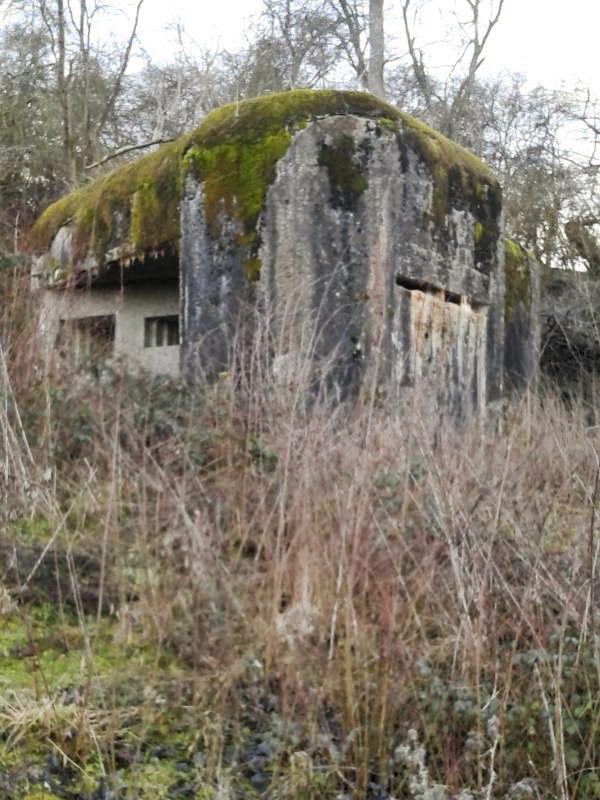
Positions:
{"x": 447, "y": 101}
{"x": 313, "y": 42}
{"x": 298, "y": 38}
{"x": 76, "y": 62}
{"x": 30, "y": 129}
{"x": 351, "y": 21}
{"x": 164, "y": 100}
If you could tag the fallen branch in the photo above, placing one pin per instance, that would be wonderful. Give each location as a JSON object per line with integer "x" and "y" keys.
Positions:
{"x": 128, "y": 149}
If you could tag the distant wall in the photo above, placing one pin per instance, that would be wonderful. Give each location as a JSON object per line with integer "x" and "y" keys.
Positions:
{"x": 571, "y": 335}
{"x": 131, "y": 306}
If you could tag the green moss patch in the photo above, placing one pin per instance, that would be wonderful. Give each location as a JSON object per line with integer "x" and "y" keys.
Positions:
{"x": 459, "y": 179}
{"x": 234, "y": 152}
{"x": 345, "y": 176}
{"x": 236, "y": 149}
{"x": 41, "y": 653}
{"x": 141, "y": 199}
{"x": 517, "y": 277}
{"x": 236, "y": 175}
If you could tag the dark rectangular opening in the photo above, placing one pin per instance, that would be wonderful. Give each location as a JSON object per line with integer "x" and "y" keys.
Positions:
{"x": 158, "y": 267}
{"x": 90, "y": 337}
{"x": 161, "y": 331}
{"x": 429, "y": 288}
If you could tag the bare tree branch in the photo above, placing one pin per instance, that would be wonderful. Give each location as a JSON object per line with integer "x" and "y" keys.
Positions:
{"x": 352, "y": 19}
{"x": 110, "y": 103}
{"x": 128, "y": 149}
{"x": 423, "y": 82}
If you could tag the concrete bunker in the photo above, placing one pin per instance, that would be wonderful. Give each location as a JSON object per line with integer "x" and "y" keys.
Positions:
{"x": 315, "y": 208}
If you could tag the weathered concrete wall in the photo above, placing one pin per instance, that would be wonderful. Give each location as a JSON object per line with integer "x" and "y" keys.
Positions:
{"x": 447, "y": 349}
{"x": 212, "y": 285}
{"x": 131, "y": 306}
{"x": 363, "y": 269}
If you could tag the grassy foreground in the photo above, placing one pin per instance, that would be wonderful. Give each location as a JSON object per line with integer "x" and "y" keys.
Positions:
{"x": 219, "y": 595}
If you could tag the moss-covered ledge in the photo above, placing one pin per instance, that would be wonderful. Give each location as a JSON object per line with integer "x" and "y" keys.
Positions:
{"x": 518, "y": 278}
{"x": 522, "y": 329}
{"x": 143, "y": 196}
{"x": 234, "y": 153}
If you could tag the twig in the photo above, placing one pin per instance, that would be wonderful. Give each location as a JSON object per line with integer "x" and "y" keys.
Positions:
{"x": 66, "y": 759}
{"x": 492, "y": 752}
{"x": 592, "y": 555}
{"x": 128, "y": 149}
{"x": 554, "y": 743}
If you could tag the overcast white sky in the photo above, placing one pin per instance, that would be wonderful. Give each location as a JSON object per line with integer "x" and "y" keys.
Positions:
{"x": 552, "y": 41}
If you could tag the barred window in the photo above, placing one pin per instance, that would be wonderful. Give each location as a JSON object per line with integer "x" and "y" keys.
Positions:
{"x": 161, "y": 331}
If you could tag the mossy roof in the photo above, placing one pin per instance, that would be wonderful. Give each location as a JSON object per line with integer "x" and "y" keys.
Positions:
{"x": 234, "y": 152}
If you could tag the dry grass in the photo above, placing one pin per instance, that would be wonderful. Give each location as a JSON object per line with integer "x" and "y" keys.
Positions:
{"x": 56, "y": 720}
{"x": 385, "y": 596}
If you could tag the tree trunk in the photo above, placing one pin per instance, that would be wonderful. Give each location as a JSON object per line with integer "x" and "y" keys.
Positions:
{"x": 376, "y": 51}
{"x": 63, "y": 92}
